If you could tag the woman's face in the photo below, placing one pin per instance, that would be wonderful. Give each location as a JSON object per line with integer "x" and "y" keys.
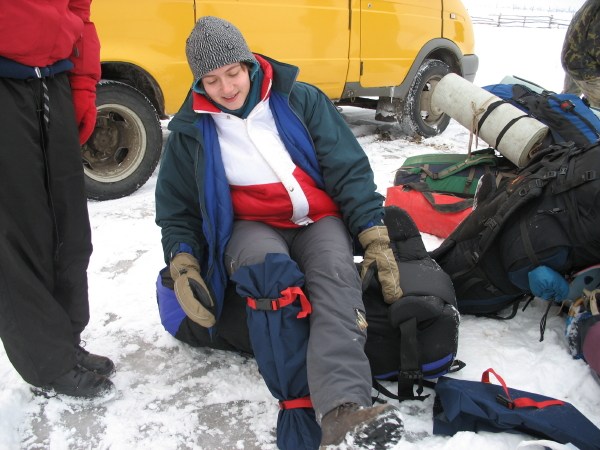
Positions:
{"x": 228, "y": 85}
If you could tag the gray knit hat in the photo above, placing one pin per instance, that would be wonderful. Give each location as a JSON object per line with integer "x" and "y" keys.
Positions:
{"x": 215, "y": 43}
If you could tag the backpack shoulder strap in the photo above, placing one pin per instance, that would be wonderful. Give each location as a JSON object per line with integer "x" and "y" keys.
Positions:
{"x": 528, "y": 184}
{"x": 427, "y": 193}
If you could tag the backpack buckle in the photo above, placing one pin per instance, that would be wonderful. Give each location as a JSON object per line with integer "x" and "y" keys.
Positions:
{"x": 411, "y": 374}
{"x": 567, "y": 105}
{"x": 490, "y": 223}
{"x": 541, "y": 182}
{"x": 505, "y": 401}
{"x": 265, "y": 304}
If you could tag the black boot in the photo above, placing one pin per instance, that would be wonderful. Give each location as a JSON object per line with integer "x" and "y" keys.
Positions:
{"x": 376, "y": 427}
{"x": 79, "y": 382}
{"x": 95, "y": 363}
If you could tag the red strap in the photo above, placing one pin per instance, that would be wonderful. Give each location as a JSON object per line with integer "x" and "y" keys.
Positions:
{"x": 288, "y": 296}
{"x": 485, "y": 378}
{"x": 521, "y": 402}
{"x": 525, "y": 402}
{"x": 302, "y": 402}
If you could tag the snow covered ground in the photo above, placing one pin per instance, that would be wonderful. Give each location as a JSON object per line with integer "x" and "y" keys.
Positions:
{"x": 171, "y": 396}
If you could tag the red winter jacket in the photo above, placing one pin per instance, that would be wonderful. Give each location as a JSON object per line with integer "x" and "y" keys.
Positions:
{"x": 41, "y": 32}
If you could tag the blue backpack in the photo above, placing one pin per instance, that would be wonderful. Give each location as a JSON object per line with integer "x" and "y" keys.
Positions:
{"x": 568, "y": 116}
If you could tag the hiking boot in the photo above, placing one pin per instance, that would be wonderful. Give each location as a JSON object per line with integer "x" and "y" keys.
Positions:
{"x": 95, "y": 363}
{"x": 80, "y": 382}
{"x": 374, "y": 427}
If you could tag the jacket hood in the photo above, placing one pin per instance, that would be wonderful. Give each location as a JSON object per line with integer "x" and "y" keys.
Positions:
{"x": 283, "y": 81}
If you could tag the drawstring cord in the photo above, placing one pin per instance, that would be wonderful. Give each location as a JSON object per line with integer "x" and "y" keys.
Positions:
{"x": 44, "y": 122}
{"x": 46, "y": 104}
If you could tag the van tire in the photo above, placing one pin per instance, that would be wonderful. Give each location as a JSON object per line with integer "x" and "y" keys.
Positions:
{"x": 126, "y": 144}
{"x": 418, "y": 115}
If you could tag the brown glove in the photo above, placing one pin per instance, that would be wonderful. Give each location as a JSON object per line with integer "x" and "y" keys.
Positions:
{"x": 191, "y": 291}
{"x": 376, "y": 242}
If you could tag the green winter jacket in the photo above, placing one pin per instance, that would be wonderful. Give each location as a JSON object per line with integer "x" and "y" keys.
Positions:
{"x": 347, "y": 175}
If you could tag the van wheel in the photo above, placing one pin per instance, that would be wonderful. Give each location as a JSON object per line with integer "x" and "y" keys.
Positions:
{"x": 126, "y": 144}
{"x": 418, "y": 115}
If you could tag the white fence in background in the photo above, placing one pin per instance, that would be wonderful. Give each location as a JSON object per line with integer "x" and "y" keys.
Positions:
{"x": 506, "y": 20}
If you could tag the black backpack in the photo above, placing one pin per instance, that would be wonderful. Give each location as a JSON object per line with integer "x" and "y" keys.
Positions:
{"x": 415, "y": 339}
{"x": 548, "y": 215}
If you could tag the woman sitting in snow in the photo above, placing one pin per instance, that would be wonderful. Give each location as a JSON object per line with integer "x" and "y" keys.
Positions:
{"x": 261, "y": 175}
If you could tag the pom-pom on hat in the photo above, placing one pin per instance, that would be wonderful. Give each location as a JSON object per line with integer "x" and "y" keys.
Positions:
{"x": 215, "y": 43}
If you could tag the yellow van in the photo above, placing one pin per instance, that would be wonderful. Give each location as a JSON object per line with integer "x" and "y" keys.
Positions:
{"x": 386, "y": 54}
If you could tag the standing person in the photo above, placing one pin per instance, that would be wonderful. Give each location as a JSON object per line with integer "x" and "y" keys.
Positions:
{"x": 570, "y": 87}
{"x": 262, "y": 169}
{"x": 581, "y": 52}
{"x": 49, "y": 67}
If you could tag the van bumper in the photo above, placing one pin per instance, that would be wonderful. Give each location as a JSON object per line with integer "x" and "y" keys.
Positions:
{"x": 469, "y": 65}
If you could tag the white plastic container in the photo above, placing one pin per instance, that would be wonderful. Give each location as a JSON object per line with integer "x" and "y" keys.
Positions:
{"x": 467, "y": 103}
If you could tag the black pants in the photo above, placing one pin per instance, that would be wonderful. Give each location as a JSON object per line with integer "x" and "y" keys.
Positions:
{"x": 45, "y": 239}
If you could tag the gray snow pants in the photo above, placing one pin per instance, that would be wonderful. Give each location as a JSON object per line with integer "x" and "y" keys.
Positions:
{"x": 338, "y": 369}
{"x": 45, "y": 238}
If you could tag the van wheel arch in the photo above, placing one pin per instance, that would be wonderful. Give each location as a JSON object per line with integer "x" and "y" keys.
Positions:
{"x": 137, "y": 78}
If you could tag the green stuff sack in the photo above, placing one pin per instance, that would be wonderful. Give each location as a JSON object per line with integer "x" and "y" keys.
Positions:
{"x": 452, "y": 173}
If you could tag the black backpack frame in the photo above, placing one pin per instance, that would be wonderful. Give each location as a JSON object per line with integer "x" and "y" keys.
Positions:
{"x": 548, "y": 214}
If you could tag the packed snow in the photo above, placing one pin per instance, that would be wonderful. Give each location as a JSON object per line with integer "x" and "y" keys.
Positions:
{"x": 172, "y": 396}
